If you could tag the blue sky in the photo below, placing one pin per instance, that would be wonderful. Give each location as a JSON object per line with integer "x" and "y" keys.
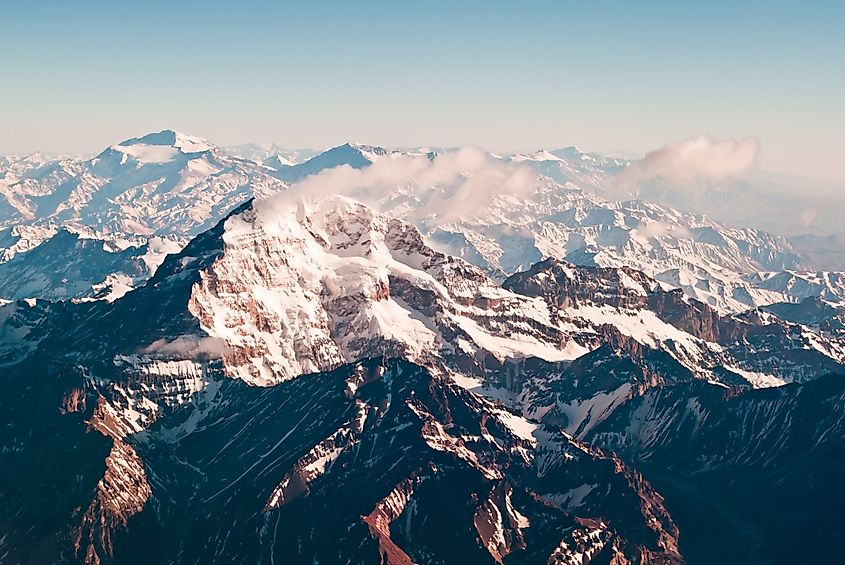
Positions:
{"x": 603, "y": 75}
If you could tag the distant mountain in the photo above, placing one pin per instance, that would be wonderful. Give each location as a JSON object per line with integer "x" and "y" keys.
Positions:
{"x": 829, "y": 317}
{"x": 270, "y": 153}
{"x": 353, "y": 155}
{"x": 804, "y": 210}
{"x": 151, "y": 192}
{"x": 164, "y": 183}
{"x": 508, "y": 232}
{"x": 69, "y": 265}
{"x": 807, "y": 211}
{"x": 573, "y": 166}
{"x": 565, "y": 218}
{"x": 800, "y": 285}
{"x": 176, "y": 185}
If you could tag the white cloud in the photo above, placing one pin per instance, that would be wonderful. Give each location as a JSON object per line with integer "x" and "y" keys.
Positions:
{"x": 697, "y": 159}
{"x": 658, "y": 230}
{"x": 449, "y": 186}
{"x": 187, "y": 346}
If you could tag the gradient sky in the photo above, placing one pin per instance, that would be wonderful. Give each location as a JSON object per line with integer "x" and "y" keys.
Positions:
{"x": 603, "y": 75}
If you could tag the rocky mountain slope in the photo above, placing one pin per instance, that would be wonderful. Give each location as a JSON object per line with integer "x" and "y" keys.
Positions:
{"x": 651, "y": 337}
{"x": 735, "y": 461}
{"x": 824, "y": 316}
{"x": 304, "y": 285}
{"x": 247, "y": 474}
{"x": 710, "y": 262}
{"x": 80, "y": 265}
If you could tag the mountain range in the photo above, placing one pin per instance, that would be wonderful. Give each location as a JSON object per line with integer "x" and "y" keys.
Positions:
{"x": 404, "y": 356}
{"x": 161, "y": 189}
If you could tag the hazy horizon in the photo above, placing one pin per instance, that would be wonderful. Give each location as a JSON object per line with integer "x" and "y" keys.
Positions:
{"x": 600, "y": 75}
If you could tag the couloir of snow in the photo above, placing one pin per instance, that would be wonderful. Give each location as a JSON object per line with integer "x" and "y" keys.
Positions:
{"x": 756, "y": 378}
{"x": 642, "y": 325}
{"x": 583, "y": 415}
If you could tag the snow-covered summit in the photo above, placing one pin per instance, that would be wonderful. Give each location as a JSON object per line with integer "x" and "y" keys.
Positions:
{"x": 171, "y": 138}
{"x": 539, "y": 155}
{"x": 305, "y": 286}
{"x": 573, "y": 167}
{"x": 164, "y": 183}
{"x": 173, "y": 184}
{"x": 159, "y": 148}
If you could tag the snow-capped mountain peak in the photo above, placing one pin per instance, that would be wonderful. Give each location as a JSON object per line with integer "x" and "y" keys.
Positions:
{"x": 167, "y": 182}
{"x": 539, "y": 155}
{"x": 305, "y": 286}
{"x": 157, "y": 148}
{"x": 185, "y": 143}
{"x": 355, "y": 155}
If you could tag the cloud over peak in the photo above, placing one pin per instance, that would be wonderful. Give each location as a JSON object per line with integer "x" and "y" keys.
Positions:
{"x": 447, "y": 187}
{"x": 697, "y": 159}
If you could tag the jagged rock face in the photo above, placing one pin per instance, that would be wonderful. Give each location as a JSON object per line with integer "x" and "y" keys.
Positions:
{"x": 712, "y": 452}
{"x": 409, "y": 442}
{"x": 707, "y": 261}
{"x": 814, "y": 312}
{"x": 288, "y": 290}
{"x": 562, "y": 216}
{"x": 303, "y": 288}
{"x": 299, "y": 290}
{"x": 378, "y": 458}
{"x": 121, "y": 493}
{"x": 568, "y": 287}
{"x": 176, "y": 185}
{"x": 650, "y": 336}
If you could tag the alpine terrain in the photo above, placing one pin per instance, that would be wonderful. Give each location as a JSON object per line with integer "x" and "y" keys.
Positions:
{"x": 396, "y": 356}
